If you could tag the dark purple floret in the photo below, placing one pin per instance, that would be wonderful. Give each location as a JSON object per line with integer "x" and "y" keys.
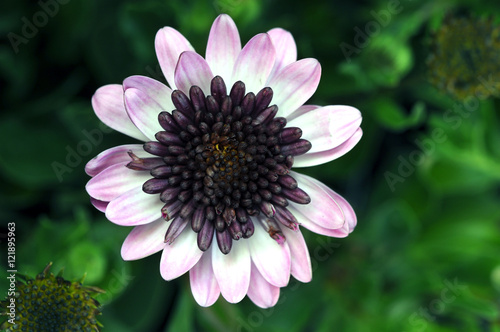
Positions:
{"x": 222, "y": 164}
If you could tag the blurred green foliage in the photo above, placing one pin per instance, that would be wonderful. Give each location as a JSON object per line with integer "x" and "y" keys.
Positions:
{"x": 424, "y": 180}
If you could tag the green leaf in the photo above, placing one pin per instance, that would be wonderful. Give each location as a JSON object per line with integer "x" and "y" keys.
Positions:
{"x": 476, "y": 306}
{"x": 391, "y": 115}
{"x": 183, "y": 315}
{"x": 30, "y": 152}
{"x": 86, "y": 256}
{"x": 445, "y": 176}
{"x": 495, "y": 277}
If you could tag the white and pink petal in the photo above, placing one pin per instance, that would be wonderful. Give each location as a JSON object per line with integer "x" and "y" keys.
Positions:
{"x": 223, "y": 47}
{"x": 134, "y": 207}
{"x": 316, "y": 222}
{"x": 108, "y": 105}
{"x": 286, "y": 50}
{"x": 180, "y": 256}
{"x": 144, "y": 240}
{"x": 301, "y": 261}
{"x": 313, "y": 227}
{"x": 348, "y": 211}
{"x": 232, "y": 271}
{"x": 261, "y": 292}
{"x": 323, "y": 209}
{"x": 115, "y": 181}
{"x": 113, "y": 156}
{"x": 338, "y": 124}
{"x": 254, "y": 63}
{"x": 271, "y": 259}
{"x": 169, "y": 44}
{"x": 317, "y": 158}
{"x": 99, "y": 205}
{"x": 204, "y": 285}
{"x": 143, "y": 110}
{"x": 191, "y": 70}
{"x": 301, "y": 111}
{"x": 294, "y": 85}
{"x": 158, "y": 91}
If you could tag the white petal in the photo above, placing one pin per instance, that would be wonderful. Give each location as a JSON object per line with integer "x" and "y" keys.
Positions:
{"x": 134, "y": 207}
{"x": 114, "y": 156}
{"x": 191, "y": 70}
{"x": 347, "y": 210}
{"x": 158, "y": 91}
{"x": 328, "y": 127}
{"x": 204, "y": 285}
{"x": 313, "y": 227}
{"x": 232, "y": 270}
{"x": 114, "y": 181}
{"x": 294, "y": 85}
{"x": 301, "y": 261}
{"x": 315, "y": 224}
{"x": 99, "y": 205}
{"x": 143, "y": 110}
{"x": 180, "y": 256}
{"x": 254, "y": 63}
{"x": 271, "y": 258}
{"x": 323, "y": 209}
{"x": 301, "y": 111}
{"x": 144, "y": 240}
{"x": 109, "y": 107}
{"x": 260, "y": 291}
{"x": 223, "y": 47}
{"x": 169, "y": 44}
{"x": 286, "y": 50}
{"x": 317, "y": 158}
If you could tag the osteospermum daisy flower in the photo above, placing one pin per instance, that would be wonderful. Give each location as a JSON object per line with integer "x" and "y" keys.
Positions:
{"x": 212, "y": 186}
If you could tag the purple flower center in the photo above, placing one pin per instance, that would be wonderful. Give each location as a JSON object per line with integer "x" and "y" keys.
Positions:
{"x": 223, "y": 165}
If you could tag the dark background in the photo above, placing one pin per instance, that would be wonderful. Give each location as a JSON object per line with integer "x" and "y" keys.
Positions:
{"x": 424, "y": 179}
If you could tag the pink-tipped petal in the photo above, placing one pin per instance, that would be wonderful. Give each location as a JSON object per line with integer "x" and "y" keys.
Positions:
{"x": 113, "y": 156}
{"x": 158, "y": 91}
{"x": 301, "y": 111}
{"x": 144, "y": 240}
{"x": 223, "y": 47}
{"x": 204, "y": 286}
{"x": 260, "y": 291}
{"x": 180, "y": 256}
{"x": 232, "y": 271}
{"x": 338, "y": 124}
{"x": 114, "y": 181}
{"x": 134, "y": 207}
{"x": 254, "y": 63}
{"x": 99, "y": 205}
{"x": 169, "y": 44}
{"x": 311, "y": 222}
{"x": 317, "y": 158}
{"x": 109, "y": 107}
{"x": 323, "y": 209}
{"x": 286, "y": 50}
{"x": 301, "y": 261}
{"x": 143, "y": 110}
{"x": 313, "y": 227}
{"x": 191, "y": 70}
{"x": 347, "y": 209}
{"x": 294, "y": 85}
{"x": 271, "y": 258}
